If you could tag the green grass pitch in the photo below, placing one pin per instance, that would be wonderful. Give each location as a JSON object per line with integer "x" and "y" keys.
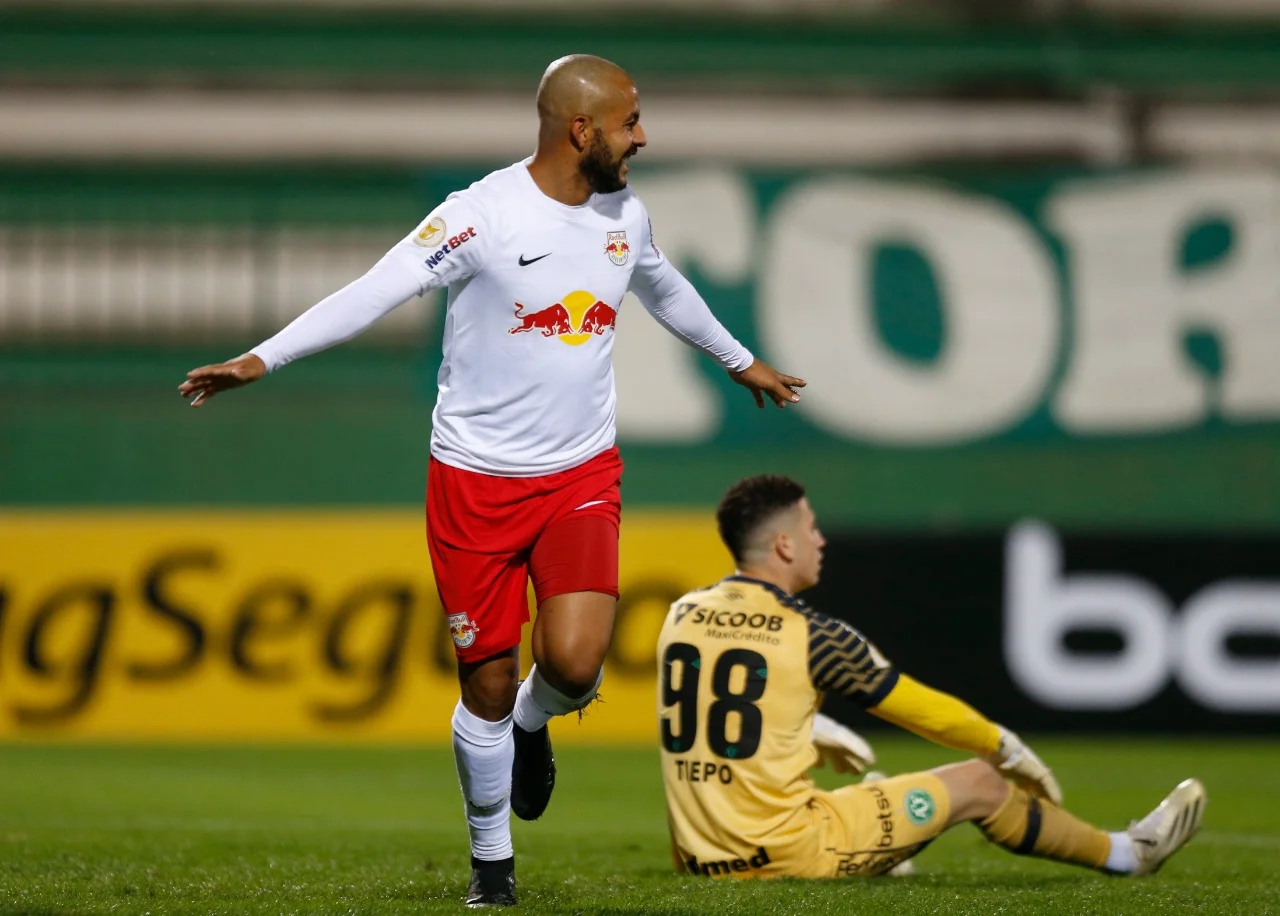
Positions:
{"x": 96, "y": 829}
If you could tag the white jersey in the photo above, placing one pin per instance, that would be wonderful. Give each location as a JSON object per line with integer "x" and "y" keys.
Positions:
{"x": 526, "y": 382}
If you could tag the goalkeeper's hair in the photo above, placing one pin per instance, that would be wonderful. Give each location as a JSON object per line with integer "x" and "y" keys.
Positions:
{"x": 750, "y": 503}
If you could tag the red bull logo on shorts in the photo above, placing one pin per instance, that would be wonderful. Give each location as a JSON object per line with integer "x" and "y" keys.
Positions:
{"x": 574, "y": 320}
{"x": 616, "y": 247}
{"x": 463, "y": 630}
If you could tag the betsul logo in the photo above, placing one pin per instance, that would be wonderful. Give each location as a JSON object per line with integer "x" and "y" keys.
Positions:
{"x": 574, "y": 320}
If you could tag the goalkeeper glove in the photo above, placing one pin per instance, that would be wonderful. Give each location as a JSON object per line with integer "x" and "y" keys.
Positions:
{"x": 840, "y": 748}
{"x": 1019, "y": 763}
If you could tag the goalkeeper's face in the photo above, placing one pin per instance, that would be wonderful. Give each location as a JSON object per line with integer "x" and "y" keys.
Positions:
{"x": 808, "y": 540}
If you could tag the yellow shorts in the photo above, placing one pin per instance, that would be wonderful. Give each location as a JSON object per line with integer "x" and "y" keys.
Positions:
{"x": 868, "y": 828}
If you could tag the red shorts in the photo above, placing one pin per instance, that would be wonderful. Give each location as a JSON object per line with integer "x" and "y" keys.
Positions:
{"x": 489, "y": 536}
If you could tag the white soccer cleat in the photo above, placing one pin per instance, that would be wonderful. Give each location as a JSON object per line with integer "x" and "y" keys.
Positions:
{"x": 1166, "y": 829}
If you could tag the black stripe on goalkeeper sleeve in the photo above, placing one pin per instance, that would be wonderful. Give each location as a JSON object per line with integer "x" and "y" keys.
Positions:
{"x": 843, "y": 661}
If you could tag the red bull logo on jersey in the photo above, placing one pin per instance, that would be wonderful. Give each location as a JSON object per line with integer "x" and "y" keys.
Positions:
{"x": 574, "y": 320}
{"x": 462, "y": 629}
{"x": 616, "y": 247}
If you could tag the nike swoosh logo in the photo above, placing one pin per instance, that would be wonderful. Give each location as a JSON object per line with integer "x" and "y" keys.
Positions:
{"x": 524, "y": 263}
{"x": 594, "y": 502}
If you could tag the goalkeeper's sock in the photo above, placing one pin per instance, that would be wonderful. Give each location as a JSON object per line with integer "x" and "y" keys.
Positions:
{"x": 1122, "y": 859}
{"x": 537, "y": 702}
{"x": 483, "y": 751}
{"x": 1032, "y": 827}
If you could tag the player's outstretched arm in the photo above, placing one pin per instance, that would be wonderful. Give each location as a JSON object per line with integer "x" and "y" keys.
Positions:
{"x": 670, "y": 298}
{"x": 762, "y": 380}
{"x": 945, "y": 720}
{"x": 842, "y": 660}
{"x": 336, "y": 318}
{"x": 206, "y": 381}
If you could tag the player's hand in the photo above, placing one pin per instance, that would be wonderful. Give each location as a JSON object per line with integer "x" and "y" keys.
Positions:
{"x": 840, "y": 748}
{"x": 205, "y": 382}
{"x": 1019, "y": 763}
{"x": 762, "y": 379}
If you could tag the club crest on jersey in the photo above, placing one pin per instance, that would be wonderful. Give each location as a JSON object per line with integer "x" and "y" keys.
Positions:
{"x": 431, "y": 234}
{"x": 919, "y": 806}
{"x": 575, "y": 319}
{"x": 616, "y": 247}
{"x": 463, "y": 630}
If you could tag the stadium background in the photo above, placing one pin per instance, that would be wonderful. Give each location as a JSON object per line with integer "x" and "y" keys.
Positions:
{"x": 1027, "y": 254}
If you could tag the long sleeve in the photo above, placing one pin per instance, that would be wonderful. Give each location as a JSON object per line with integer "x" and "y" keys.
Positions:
{"x": 843, "y": 661}
{"x": 937, "y": 716}
{"x": 677, "y": 306}
{"x": 342, "y": 315}
{"x": 447, "y": 247}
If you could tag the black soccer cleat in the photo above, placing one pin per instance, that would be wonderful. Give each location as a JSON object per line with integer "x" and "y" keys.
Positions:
{"x": 492, "y": 883}
{"x": 533, "y": 773}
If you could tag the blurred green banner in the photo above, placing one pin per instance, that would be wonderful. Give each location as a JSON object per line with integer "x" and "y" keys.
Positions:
{"x": 1092, "y": 347}
{"x": 686, "y": 45}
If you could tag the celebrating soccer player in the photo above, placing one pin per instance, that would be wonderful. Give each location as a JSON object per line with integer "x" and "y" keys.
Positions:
{"x": 523, "y": 478}
{"x": 743, "y": 667}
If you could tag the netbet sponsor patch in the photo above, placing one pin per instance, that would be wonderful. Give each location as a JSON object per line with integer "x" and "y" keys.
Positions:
{"x": 452, "y": 244}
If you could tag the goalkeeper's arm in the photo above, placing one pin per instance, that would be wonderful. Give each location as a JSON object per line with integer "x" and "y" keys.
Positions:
{"x": 945, "y": 720}
{"x": 939, "y": 717}
{"x": 843, "y": 661}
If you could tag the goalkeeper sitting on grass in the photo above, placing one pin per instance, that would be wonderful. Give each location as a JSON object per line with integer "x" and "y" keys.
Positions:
{"x": 743, "y": 667}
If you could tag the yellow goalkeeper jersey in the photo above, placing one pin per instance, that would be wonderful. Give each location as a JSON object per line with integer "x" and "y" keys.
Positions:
{"x": 742, "y": 668}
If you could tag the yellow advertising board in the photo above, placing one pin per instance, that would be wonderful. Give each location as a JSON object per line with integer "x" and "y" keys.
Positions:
{"x": 280, "y": 625}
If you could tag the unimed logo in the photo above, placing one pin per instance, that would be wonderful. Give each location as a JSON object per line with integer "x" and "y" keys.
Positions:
{"x": 1160, "y": 641}
{"x": 725, "y": 866}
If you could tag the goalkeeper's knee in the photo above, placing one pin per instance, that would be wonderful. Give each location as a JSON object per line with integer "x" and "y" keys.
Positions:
{"x": 976, "y": 788}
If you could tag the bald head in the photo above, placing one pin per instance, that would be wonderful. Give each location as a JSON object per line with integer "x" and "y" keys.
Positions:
{"x": 588, "y": 126}
{"x": 581, "y": 84}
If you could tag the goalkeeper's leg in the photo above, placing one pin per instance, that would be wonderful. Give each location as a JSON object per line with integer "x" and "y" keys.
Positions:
{"x": 1025, "y": 825}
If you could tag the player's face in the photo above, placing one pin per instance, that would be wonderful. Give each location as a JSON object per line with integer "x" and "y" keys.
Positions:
{"x": 808, "y": 551}
{"x": 617, "y": 135}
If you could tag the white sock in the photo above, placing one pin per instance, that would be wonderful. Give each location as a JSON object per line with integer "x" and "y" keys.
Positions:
{"x": 1122, "y": 859}
{"x": 537, "y": 702}
{"x": 484, "y": 751}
